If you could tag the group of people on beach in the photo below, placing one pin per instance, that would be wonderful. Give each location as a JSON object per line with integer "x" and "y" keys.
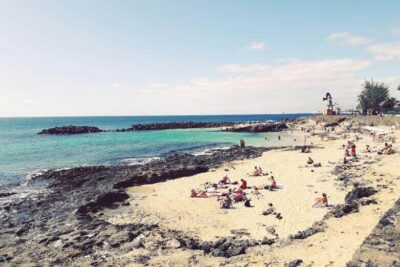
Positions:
{"x": 233, "y": 195}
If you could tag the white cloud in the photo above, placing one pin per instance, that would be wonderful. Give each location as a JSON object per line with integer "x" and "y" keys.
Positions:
{"x": 3, "y": 100}
{"x": 385, "y": 51}
{"x": 287, "y": 87}
{"x": 28, "y": 101}
{"x": 236, "y": 68}
{"x": 257, "y": 46}
{"x": 345, "y": 38}
{"x": 117, "y": 85}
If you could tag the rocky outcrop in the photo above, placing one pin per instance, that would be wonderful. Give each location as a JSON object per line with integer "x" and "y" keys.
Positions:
{"x": 359, "y": 192}
{"x": 317, "y": 227}
{"x": 259, "y": 128}
{"x": 353, "y": 200}
{"x": 175, "y": 125}
{"x": 71, "y": 129}
{"x": 382, "y": 246}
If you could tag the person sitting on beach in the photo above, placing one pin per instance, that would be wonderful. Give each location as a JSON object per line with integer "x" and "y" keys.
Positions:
{"x": 345, "y": 160}
{"x": 260, "y": 171}
{"x": 310, "y": 161}
{"x": 225, "y": 202}
{"x": 255, "y": 191}
{"x": 272, "y": 186}
{"x": 346, "y": 153}
{"x": 321, "y": 202}
{"x": 389, "y": 150}
{"x": 256, "y": 172}
{"x": 239, "y": 196}
{"x": 225, "y": 180}
{"x": 273, "y": 183}
{"x": 367, "y": 149}
{"x": 200, "y": 194}
{"x": 244, "y": 184}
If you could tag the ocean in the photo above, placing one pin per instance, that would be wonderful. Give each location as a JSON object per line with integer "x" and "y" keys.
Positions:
{"x": 24, "y": 152}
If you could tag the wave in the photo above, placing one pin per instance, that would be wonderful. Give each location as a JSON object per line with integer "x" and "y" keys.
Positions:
{"x": 138, "y": 160}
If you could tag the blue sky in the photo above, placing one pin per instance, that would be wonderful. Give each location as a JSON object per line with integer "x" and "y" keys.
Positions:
{"x": 61, "y": 58}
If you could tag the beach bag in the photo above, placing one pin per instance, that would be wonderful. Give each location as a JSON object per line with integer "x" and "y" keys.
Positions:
{"x": 247, "y": 203}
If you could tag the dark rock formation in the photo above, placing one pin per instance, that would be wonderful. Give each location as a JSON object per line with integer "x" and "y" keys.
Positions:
{"x": 175, "y": 125}
{"x": 315, "y": 228}
{"x": 353, "y": 200}
{"x": 344, "y": 209}
{"x": 294, "y": 263}
{"x": 381, "y": 247}
{"x": 68, "y": 130}
{"x": 335, "y": 123}
{"x": 6, "y": 194}
{"x": 228, "y": 247}
{"x": 259, "y": 128}
{"x": 359, "y": 192}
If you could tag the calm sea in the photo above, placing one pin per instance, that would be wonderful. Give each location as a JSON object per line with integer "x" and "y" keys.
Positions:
{"x": 23, "y": 152}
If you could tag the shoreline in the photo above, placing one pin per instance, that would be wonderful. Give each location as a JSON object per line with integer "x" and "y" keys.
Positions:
{"x": 95, "y": 209}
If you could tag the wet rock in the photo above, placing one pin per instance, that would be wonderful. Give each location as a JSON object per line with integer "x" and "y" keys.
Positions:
{"x": 24, "y": 229}
{"x": 68, "y": 130}
{"x": 7, "y": 194}
{"x": 106, "y": 200}
{"x": 175, "y": 125}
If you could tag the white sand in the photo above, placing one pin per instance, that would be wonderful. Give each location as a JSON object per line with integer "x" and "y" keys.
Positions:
{"x": 169, "y": 205}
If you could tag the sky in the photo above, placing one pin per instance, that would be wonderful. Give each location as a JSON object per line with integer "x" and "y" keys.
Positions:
{"x": 157, "y": 57}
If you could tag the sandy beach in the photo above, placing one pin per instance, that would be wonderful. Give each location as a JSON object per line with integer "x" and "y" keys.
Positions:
{"x": 169, "y": 205}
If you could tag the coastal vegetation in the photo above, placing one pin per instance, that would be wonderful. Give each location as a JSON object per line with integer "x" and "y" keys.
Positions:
{"x": 375, "y": 98}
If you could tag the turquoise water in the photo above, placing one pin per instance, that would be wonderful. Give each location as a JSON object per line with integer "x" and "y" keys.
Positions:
{"x": 22, "y": 151}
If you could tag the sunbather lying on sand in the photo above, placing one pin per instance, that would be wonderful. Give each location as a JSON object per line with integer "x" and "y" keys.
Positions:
{"x": 225, "y": 180}
{"x": 200, "y": 194}
{"x": 321, "y": 202}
